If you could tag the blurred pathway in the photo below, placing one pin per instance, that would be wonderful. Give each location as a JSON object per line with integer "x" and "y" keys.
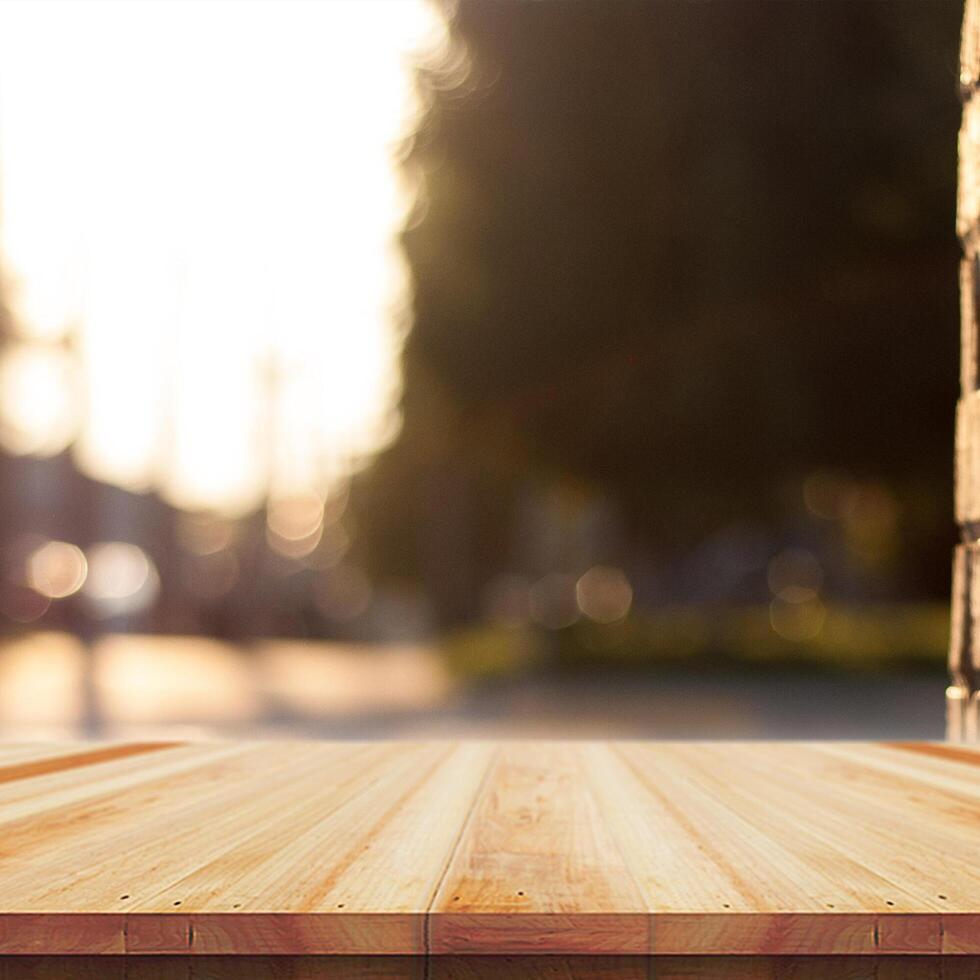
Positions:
{"x": 192, "y": 687}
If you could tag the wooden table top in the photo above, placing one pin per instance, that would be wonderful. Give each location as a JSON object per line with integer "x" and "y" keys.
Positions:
{"x": 758, "y": 848}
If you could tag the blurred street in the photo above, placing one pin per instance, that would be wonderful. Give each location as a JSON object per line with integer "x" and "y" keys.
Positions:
{"x": 189, "y": 687}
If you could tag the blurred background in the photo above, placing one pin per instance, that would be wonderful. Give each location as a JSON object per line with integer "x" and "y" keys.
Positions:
{"x": 479, "y": 368}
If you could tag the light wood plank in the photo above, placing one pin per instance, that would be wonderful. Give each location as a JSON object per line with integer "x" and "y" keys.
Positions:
{"x": 536, "y": 867}
{"x": 567, "y": 849}
{"x": 271, "y": 858}
{"x": 759, "y": 887}
{"x": 44, "y": 763}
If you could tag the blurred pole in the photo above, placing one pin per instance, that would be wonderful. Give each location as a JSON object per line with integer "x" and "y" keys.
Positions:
{"x": 961, "y": 700}
{"x": 964, "y": 647}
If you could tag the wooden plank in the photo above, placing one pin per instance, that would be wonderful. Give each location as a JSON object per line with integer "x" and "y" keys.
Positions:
{"x": 893, "y": 872}
{"x": 356, "y": 871}
{"x": 968, "y": 755}
{"x": 515, "y": 849}
{"x": 26, "y": 769}
{"x": 14, "y": 751}
{"x": 390, "y": 811}
{"x": 886, "y": 791}
{"x": 226, "y": 872}
{"x": 782, "y": 870}
{"x": 760, "y": 887}
{"x": 43, "y": 793}
{"x": 536, "y": 867}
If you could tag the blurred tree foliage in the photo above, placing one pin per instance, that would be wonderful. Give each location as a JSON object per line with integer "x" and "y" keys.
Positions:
{"x": 683, "y": 253}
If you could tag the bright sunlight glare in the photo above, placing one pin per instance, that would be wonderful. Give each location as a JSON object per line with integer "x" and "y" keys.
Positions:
{"x": 200, "y": 204}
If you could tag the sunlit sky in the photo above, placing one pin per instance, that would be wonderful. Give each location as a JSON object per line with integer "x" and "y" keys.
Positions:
{"x": 199, "y": 209}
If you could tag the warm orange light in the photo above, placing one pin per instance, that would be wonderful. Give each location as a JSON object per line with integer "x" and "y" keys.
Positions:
{"x": 210, "y": 210}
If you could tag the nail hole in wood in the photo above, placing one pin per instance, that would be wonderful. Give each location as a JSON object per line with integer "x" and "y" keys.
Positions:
{"x": 176, "y": 903}
{"x": 890, "y": 903}
{"x": 943, "y": 897}
{"x": 520, "y": 893}
{"x": 238, "y": 905}
{"x": 122, "y": 898}
{"x": 725, "y": 905}
{"x": 830, "y": 905}
{"x": 340, "y": 905}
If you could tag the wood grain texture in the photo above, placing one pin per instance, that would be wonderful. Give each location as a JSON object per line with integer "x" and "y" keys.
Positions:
{"x": 536, "y": 868}
{"x": 566, "y": 849}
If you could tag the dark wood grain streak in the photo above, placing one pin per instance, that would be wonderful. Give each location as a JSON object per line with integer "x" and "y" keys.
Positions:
{"x": 951, "y": 753}
{"x": 75, "y": 760}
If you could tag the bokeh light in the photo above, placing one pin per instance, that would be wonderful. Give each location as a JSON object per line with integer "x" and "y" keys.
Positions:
{"x": 295, "y": 518}
{"x": 122, "y": 579}
{"x": 294, "y": 524}
{"x": 604, "y": 594}
{"x": 57, "y": 569}
{"x": 797, "y": 621}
